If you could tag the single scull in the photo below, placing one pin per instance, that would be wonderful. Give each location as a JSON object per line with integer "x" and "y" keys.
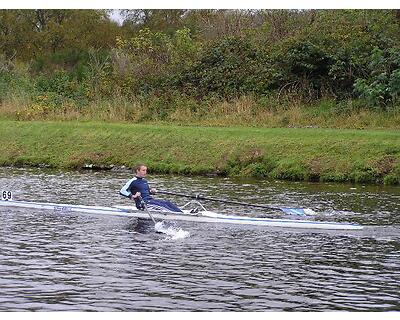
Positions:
{"x": 201, "y": 216}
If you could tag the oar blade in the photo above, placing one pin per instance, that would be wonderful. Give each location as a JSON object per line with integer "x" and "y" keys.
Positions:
{"x": 299, "y": 211}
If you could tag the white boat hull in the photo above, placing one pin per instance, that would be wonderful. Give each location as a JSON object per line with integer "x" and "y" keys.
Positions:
{"x": 202, "y": 216}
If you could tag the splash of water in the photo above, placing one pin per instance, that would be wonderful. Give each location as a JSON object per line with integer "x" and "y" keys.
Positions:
{"x": 173, "y": 232}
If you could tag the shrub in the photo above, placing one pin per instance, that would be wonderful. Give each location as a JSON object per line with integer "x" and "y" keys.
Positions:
{"x": 60, "y": 88}
{"x": 228, "y": 67}
{"x": 382, "y": 87}
{"x": 304, "y": 67}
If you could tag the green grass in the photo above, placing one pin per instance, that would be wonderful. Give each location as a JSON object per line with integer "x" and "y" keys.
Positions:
{"x": 280, "y": 153}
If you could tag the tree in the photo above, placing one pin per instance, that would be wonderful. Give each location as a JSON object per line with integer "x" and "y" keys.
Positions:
{"x": 167, "y": 21}
{"x": 32, "y": 34}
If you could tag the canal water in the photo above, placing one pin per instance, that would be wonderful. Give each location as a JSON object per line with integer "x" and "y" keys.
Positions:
{"x": 54, "y": 261}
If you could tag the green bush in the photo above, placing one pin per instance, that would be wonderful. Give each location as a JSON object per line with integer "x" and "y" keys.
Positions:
{"x": 305, "y": 65}
{"x": 381, "y": 88}
{"x": 391, "y": 179}
{"x": 60, "y": 88}
{"x": 228, "y": 67}
{"x": 15, "y": 80}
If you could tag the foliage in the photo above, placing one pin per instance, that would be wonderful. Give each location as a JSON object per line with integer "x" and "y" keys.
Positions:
{"x": 299, "y": 57}
{"x": 15, "y": 79}
{"x": 229, "y": 68}
{"x": 303, "y": 67}
{"x": 59, "y": 89}
{"x": 382, "y": 87}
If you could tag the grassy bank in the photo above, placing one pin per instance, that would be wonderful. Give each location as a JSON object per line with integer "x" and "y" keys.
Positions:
{"x": 280, "y": 153}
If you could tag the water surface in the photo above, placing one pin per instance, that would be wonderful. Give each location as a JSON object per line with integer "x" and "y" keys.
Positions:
{"x": 52, "y": 261}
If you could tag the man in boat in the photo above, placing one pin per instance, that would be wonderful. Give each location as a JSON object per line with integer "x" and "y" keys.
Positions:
{"x": 138, "y": 189}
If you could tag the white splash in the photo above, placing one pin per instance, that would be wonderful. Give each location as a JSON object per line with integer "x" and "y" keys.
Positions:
{"x": 173, "y": 232}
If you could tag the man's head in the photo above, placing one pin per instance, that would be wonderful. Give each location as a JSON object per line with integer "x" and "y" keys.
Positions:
{"x": 141, "y": 170}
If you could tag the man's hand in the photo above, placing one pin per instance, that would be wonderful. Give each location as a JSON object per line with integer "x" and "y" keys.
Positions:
{"x": 137, "y": 194}
{"x": 153, "y": 190}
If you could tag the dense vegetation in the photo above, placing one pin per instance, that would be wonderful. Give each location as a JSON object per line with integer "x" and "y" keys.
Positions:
{"x": 328, "y": 68}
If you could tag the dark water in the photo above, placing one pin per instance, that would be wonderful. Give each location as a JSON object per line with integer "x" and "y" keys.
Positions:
{"x": 78, "y": 262}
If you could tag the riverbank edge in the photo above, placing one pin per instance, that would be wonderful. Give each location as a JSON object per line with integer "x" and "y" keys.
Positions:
{"x": 320, "y": 155}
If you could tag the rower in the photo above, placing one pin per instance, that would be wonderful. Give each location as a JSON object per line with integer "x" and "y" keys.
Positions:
{"x": 138, "y": 188}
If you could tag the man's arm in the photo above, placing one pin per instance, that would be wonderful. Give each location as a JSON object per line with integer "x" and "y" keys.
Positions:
{"x": 128, "y": 190}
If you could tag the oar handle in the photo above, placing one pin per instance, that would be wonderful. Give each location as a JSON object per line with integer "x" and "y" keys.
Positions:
{"x": 200, "y": 197}
{"x": 145, "y": 208}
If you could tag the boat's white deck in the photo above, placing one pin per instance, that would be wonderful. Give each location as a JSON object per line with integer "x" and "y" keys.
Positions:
{"x": 202, "y": 216}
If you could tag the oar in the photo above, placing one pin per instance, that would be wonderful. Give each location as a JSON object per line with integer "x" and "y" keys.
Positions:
{"x": 146, "y": 209}
{"x": 295, "y": 211}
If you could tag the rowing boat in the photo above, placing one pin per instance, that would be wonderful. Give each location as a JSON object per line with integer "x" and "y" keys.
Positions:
{"x": 201, "y": 216}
